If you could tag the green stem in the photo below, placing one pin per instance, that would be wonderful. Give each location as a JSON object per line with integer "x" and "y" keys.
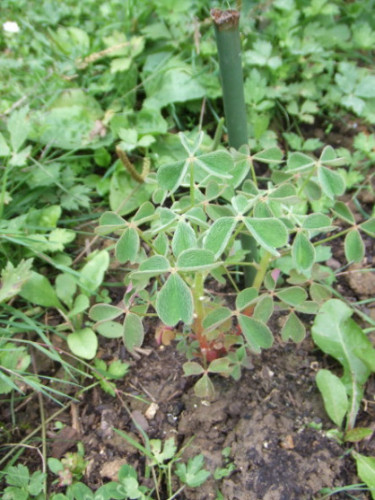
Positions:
{"x": 262, "y": 269}
{"x": 229, "y": 51}
{"x": 3, "y": 189}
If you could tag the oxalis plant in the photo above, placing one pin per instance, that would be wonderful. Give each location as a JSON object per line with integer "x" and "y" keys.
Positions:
{"x": 183, "y": 247}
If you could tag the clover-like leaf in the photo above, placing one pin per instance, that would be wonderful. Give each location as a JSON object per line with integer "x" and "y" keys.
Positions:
{"x": 174, "y": 302}
{"x": 269, "y": 233}
{"x": 83, "y": 343}
{"x": 127, "y": 246}
{"x": 354, "y": 246}
{"x": 133, "y": 331}
{"x": 219, "y": 234}
{"x": 256, "y": 333}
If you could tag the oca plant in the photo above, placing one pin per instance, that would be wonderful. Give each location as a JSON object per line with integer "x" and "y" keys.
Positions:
{"x": 186, "y": 242}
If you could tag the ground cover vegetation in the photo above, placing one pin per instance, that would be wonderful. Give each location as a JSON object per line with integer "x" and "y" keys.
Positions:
{"x": 123, "y": 211}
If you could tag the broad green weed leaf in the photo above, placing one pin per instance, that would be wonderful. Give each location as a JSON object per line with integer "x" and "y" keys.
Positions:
{"x": 293, "y": 329}
{"x": 133, "y": 331}
{"x": 219, "y": 235}
{"x": 18, "y": 475}
{"x": 83, "y": 343}
{"x": 354, "y": 246}
{"x": 272, "y": 155}
{"x": 66, "y": 287}
{"x": 319, "y": 293}
{"x": 13, "y": 278}
{"x": 161, "y": 244}
{"x": 127, "y": 246}
{"x": 19, "y": 128}
{"x": 92, "y": 273}
{"x": 192, "y": 368}
{"x": 317, "y": 222}
{"x": 303, "y": 253}
{"x": 216, "y": 318}
{"x": 329, "y": 157}
{"x": 369, "y": 227}
{"x": 218, "y": 163}
{"x": 81, "y": 303}
{"x": 256, "y": 333}
{"x": 174, "y": 302}
{"x": 204, "y": 388}
{"x": 183, "y": 238}
{"x": 331, "y": 182}
{"x": 299, "y": 162}
{"x": 293, "y": 295}
{"x": 196, "y": 259}
{"x": 171, "y": 176}
{"x": 285, "y": 192}
{"x": 312, "y": 190}
{"x": 334, "y": 396}
{"x": 245, "y": 298}
{"x": 264, "y": 309}
{"x": 105, "y": 312}
{"x": 109, "y": 222}
{"x": 157, "y": 264}
{"x": 344, "y": 212}
{"x": 366, "y": 470}
{"x": 38, "y": 290}
{"x": 126, "y": 194}
{"x": 336, "y": 334}
{"x": 269, "y": 233}
{"x": 220, "y": 365}
{"x": 192, "y": 474}
{"x": 357, "y": 434}
{"x": 4, "y": 148}
{"x": 110, "y": 329}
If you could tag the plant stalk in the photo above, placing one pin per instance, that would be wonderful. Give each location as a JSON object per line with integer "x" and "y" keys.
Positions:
{"x": 229, "y": 50}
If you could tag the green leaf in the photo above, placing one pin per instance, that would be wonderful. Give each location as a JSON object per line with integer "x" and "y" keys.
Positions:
{"x": 81, "y": 303}
{"x": 192, "y": 474}
{"x": 331, "y": 182}
{"x": 204, "y": 388}
{"x": 219, "y": 234}
{"x": 366, "y": 470}
{"x": 170, "y": 176}
{"x": 127, "y": 247}
{"x": 245, "y": 298}
{"x": 369, "y": 227}
{"x": 192, "y": 368}
{"x": 38, "y": 290}
{"x": 271, "y": 155}
{"x": 336, "y": 334}
{"x": 357, "y": 434}
{"x": 256, "y": 333}
{"x": 126, "y": 194}
{"x": 354, "y": 246}
{"x": 329, "y": 157}
{"x": 334, "y": 396}
{"x": 157, "y": 264}
{"x": 92, "y": 273}
{"x": 4, "y": 148}
{"x": 105, "y": 312}
{"x": 299, "y": 162}
{"x": 183, "y": 238}
{"x": 293, "y": 295}
{"x": 83, "y": 343}
{"x": 220, "y": 365}
{"x": 110, "y": 329}
{"x": 174, "y": 302}
{"x": 344, "y": 212}
{"x": 264, "y": 309}
{"x": 112, "y": 221}
{"x": 303, "y": 253}
{"x": 66, "y": 287}
{"x": 218, "y": 163}
{"x": 19, "y": 128}
{"x": 133, "y": 332}
{"x": 317, "y": 222}
{"x": 36, "y": 483}
{"x": 18, "y": 476}
{"x": 293, "y": 329}
{"x": 319, "y": 293}
{"x": 196, "y": 259}
{"x": 216, "y": 317}
{"x": 13, "y": 278}
{"x": 269, "y": 233}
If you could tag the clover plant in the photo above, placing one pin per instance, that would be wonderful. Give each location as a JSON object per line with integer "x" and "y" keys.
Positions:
{"x": 183, "y": 246}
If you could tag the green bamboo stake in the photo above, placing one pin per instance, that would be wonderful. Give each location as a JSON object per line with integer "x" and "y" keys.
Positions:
{"x": 229, "y": 50}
